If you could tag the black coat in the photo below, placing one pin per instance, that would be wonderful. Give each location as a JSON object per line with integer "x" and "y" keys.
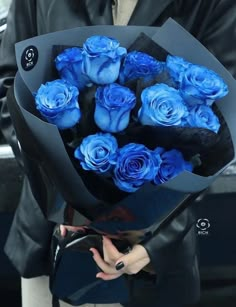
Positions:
{"x": 172, "y": 251}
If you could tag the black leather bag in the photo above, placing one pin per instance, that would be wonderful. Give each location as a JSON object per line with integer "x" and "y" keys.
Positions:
{"x": 73, "y": 277}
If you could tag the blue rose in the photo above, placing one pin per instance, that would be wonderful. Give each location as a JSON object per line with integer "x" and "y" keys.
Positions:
{"x": 202, "y": 116}
{"x": 57, "y": 101}
{"x": 139, "y": 65}
{"x": 172, "y": 164}
{"x": 69, "y": 65}
{"x": 135, "y": 166}
{"x": 202, "y": 86}
{"x": 97, "y": 152}
{"x": 176, "y": 67}
{"x": 113, "y": 105}
{"x": 162, "y": 106}
{"x": 102, "y": 59}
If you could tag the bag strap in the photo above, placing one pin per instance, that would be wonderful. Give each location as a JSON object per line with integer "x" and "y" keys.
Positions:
{"x": 55, "y": 301}
{"x": 57, "y": 248}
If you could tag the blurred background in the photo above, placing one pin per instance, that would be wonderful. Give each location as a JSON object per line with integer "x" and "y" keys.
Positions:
{"x": 215, "y": 213}
{"x": 4, "y": 6}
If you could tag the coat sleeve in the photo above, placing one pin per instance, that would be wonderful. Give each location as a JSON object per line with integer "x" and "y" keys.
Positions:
{"x": 162, "y": 247}
{"x": 219, "y": 36}
{"x": 21, "y": 24}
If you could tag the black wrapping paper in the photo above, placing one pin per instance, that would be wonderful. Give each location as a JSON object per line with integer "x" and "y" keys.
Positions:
{"x": 151, "y": 206}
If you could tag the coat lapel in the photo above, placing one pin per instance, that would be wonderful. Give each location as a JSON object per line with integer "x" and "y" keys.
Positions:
{"x": 99, "y": 12}
{"x": 147, "y": 12}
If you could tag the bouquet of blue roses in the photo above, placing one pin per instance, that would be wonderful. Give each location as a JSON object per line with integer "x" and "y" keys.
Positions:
{"x": 129, "y": 127}
{"x": 181, "y": 95}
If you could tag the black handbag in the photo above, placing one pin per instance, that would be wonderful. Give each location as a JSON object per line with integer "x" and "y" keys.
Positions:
{"x": 73, "y": 271}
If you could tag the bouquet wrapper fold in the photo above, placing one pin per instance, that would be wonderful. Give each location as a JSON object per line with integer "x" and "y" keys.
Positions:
{"x": 151, "y": 206}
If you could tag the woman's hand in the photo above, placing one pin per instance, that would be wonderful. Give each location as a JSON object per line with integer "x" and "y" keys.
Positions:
{"x": 115, "y": 263}
{"x": 65, "y": 228}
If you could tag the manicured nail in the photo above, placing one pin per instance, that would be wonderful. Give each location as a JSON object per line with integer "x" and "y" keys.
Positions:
{"x": 119, "y": 266}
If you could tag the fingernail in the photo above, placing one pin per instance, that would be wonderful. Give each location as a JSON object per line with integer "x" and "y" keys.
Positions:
{"x": 119, "y": 266}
